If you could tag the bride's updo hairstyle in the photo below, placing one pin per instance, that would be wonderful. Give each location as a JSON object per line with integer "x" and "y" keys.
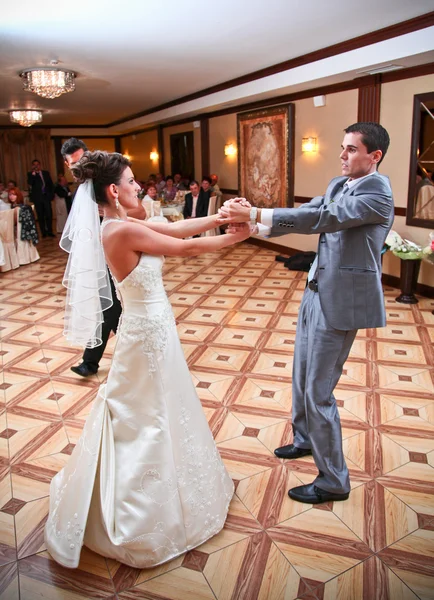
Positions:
{"x": 104, "y": 168}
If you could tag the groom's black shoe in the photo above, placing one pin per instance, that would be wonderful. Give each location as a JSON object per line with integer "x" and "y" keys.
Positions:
{"x": 84, "y": 370}
{"x": 292, "y": 451}
{"x": 311, "y": 494}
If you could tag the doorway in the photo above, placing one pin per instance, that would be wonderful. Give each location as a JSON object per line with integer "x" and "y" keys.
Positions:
{"x": 182, "y": 154}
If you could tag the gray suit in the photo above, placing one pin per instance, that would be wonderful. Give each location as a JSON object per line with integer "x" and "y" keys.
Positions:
{"x": 352, "y": 228}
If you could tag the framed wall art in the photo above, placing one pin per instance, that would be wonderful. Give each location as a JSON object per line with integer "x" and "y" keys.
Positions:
{"x": 266, "y": 156}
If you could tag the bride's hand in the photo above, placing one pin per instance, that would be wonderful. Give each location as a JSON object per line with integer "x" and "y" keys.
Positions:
{"x": 239, "y": 231}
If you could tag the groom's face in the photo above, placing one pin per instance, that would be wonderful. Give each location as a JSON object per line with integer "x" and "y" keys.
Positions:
{"x": 356, "y": 161}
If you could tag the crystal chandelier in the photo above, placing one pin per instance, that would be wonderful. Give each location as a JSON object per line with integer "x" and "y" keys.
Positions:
{"x": 26, "y": 118}
{"x": 48, "y": 82}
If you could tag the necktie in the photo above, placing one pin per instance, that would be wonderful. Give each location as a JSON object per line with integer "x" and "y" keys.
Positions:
{"x": 314, "y": 266}
{"x": 43, "y": 182}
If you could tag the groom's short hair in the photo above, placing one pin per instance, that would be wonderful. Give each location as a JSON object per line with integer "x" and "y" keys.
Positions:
{"x": 374, "y": 136}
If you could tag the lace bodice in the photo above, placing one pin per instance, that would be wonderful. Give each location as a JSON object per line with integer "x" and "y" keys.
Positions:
{"x": 146, "y": 312}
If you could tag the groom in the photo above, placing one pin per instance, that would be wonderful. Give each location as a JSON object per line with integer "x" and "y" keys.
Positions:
{"x": 343, "y": 294}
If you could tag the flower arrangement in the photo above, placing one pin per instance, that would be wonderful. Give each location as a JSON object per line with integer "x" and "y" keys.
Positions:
{"x": 407, "y": 250}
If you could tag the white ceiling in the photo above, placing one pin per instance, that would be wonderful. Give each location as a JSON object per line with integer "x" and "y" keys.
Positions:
{"x": 138, "y": 54}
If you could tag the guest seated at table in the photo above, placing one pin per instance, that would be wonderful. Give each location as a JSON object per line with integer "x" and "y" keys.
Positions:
{"x": 151, "y": 194}
{"x": 15, "y": 197}
{"x": 170, "y": 190}
{"x": 216, "y": 191}
{"x": 4, "y": 197}
{"x": 150, "y": 204}
{"x": 206, "y": 184}
{"x": 196, "y": 201}
{"x": 11, "y": 184}
{"x": 179, "y": 184}
{"x": 61, "y": 190}
{"x": 159, "y": 182}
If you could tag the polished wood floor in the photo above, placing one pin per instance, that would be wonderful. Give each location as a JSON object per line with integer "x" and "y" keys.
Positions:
{"x": 236, "y": 313}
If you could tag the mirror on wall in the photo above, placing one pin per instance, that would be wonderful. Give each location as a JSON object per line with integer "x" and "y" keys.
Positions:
{"x": 420, "y": 206}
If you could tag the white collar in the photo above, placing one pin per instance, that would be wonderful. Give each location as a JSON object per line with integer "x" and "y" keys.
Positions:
{"x": 353, "y": 182}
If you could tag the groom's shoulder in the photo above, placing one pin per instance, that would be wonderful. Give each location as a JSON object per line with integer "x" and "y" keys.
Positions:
{"x": 376, "y": 183}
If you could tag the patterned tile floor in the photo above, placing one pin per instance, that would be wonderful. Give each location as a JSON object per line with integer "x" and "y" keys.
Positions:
{"x": 236, "y": 313}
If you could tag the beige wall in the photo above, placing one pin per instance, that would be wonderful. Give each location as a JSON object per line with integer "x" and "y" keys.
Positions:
{"x": 139, "y": 146}
{"x": 222, "y": 131}
{"x": 167, "y": 132}
{"x": 313, "y": 172}
{"x": 396, "y": 116}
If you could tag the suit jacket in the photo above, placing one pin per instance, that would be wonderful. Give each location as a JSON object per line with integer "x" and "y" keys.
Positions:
{"x": 202, "y": 204}
{"x": 36, "y": 184}
{"x": 352, "y": 234}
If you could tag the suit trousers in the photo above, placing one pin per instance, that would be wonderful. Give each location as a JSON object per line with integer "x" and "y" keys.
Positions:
{"x": 319, "y": 356}
{"x": 92, "y": 356}
{"x": 45, "y": 214}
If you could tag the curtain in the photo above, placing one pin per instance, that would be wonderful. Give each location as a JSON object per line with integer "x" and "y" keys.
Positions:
{"x": 17, "y": 150}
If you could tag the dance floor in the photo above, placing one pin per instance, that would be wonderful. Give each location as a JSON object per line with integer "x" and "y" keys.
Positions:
{"x": 236, "y": 313}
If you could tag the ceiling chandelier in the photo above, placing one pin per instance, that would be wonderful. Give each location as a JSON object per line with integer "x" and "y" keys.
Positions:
{"x": 26, "y": 118}
{"x": 48, "y": 82}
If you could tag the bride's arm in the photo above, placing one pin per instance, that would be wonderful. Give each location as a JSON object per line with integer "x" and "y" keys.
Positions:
{"x": 181, "y": 229}
{"x": 130, "y": 237}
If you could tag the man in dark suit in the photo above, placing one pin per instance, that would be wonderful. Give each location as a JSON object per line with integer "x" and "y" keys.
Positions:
{"x": 343, "y": 294}
{"x": 72, "y": 150}
{"x": 196, "y": 201}
{"x": 41, "y": 194}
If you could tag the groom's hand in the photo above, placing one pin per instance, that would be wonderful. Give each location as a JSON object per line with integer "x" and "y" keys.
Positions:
{"x": 236, "y": 210}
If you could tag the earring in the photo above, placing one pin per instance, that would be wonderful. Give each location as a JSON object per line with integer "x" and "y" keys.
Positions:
{"x": 117, "y": 204}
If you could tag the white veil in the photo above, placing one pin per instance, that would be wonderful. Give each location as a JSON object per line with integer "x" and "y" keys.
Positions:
{"x": 86, "y": 277}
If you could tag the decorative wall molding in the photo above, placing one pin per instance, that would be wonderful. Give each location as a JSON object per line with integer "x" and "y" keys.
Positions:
{"x": 420, "y": 22}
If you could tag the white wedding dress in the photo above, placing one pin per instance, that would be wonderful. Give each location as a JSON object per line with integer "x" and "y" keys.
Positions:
{"x": 145, "y": 482}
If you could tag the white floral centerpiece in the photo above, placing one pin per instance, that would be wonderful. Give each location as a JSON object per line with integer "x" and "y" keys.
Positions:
{"x": 408, "y": 250}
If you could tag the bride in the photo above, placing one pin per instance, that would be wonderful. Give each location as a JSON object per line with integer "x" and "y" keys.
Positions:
{"x": 145, "y": 482}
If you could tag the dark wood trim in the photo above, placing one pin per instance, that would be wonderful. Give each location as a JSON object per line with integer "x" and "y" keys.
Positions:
{"x": 421, "y": 288}
{"x": 118, "y": 144}
{"x": 409, "y": 73}
{"x": 414, "y": 153}
{"x": 160, "y": 148}
{"x": 229, "y": 191}
{"x": 400, "y": 211}
{"x": 85, "y": 137}
{"x": 302, "y": 199}
{"x": 138, "y": 131}
{"x": 60, "y": 165}
{"x": 368, "y": 108}
{"x": 420, "y": 22}
{"x": 204, "y": 147}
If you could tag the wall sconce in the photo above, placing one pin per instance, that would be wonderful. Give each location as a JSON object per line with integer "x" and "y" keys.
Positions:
{"x": 309, "y": 144}
{"x": 154, "y": 155}
{"x": 230, "y": 150}
{"x": 127, "y": 156}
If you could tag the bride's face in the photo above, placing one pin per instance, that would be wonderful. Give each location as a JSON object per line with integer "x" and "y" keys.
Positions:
{"x": 128, "y": 188}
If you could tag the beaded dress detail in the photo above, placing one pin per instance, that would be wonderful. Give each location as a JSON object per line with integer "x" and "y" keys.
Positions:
{"x": 145, "y": 483}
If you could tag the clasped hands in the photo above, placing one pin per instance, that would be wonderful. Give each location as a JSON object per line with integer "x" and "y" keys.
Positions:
{"x": 236, "y": 214}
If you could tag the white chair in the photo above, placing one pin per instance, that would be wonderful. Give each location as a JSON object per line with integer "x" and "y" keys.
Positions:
{"x": 7, "y": 218}
{"x": 61, "y": 213}
{"x": 26, "y": 251}
{"x": 212, "y": 211}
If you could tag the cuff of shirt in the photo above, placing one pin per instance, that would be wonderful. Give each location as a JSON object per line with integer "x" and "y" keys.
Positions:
{"x": 267, "y": 217}
{"x": 263, "y": 230}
